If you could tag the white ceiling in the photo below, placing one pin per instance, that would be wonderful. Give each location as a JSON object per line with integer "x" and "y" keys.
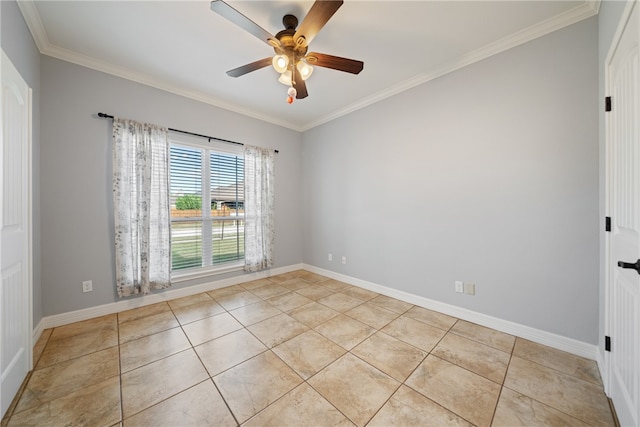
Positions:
{"x": 185, "y": 48}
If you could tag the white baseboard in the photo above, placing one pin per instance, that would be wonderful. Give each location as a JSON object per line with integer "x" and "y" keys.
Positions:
{"x": 37, "y": 332}
{"x": 136, "y": 302}
{"x": 559, "y": 342}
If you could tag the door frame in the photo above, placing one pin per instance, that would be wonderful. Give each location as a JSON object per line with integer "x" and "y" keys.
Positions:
{"x": 608, "y": 260}
{"x": 29, "y": 213}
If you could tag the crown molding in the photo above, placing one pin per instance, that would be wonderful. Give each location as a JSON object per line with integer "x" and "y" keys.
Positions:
{"x": 34, "y": 23}
{"x": 571, "y": 16}
{"x": 36, "y": 27}
{"x": 145, "y": 79}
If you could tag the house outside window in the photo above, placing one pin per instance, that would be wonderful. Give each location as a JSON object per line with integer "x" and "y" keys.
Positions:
{"x": 207, "y": 206}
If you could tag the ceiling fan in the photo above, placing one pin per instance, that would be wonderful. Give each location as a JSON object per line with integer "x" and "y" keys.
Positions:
{"x": 291, "y": 58}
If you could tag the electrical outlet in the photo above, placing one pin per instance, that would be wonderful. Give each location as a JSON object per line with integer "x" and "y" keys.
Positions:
{"x": 459, "y": 286}
{"x": 470, "y": 288}
{"x": 344, "y": 259}
{"x": 330, "y": 257}
{"x": 87, "y": 286}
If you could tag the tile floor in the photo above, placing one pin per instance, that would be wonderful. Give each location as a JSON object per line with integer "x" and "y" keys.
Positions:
{"x": 300, "y": 349}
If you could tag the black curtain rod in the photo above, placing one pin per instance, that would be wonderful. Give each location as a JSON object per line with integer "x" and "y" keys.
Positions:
{"x": 108, "y": 116}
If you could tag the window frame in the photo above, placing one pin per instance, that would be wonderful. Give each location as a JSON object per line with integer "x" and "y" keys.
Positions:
{"x": 206, "y": 148}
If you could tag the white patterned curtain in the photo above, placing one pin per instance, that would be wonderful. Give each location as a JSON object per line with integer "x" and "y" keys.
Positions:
{"x": 141, "y": 205}
{"x": 259, "y": 203}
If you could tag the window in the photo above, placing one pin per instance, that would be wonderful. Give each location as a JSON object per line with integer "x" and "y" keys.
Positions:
{"x": 207, "y": 207}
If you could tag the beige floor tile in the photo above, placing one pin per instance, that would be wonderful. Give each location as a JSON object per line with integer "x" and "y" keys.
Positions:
{"x": 253, "y": 385}
{"x": 226, "y": 291}
{"x": 254, "y": 313}
{"x": 277, "y": 329}
{"x": 302, "y": 406}
{"x": 287, "y": 276}
{"x": 136, "y": 353}
{"x": 288, "y": 301}
{"x": 210, "y": 328}
{"x": 255, "y": 284}
{"x": 269, "y": 291}
{"x": 312, "y": 277}
{"x": 576, "y": 366}
{"x": 313, "y": 314}
{"x": 315, "y": 292}
{"x": 94, "y": 405}
{"x": 372, "y": 315}
{"x": 67, "y": 377}
{"x": 484, "y": 335}
{"x": 392, "y": 356}
{"x": 148, "y": 310}
{"x": 340, "y": 302}
{"x": 200, "y": 405}
{"x": 295, "y": 284}
{"x": 107, "y": 322}
{"x": 431, "y": 317}
{"x": 78, "y": 339}
{"x": 335, "y": 285}
{"x": 345, "y": 331}
{"x": 237, "y": 300}
{"x": 189, "y": 300}
{"x": 360, "y": 293}
{"x": 515, "y": 409}
{"x": 468, "y": 395}
{"x": 408, "y": 408}
{"x": 148, "y": 325}
{"x": 578, "y": 398}
{"x": 487, "y": 361}
{"x": 155, "y": 382}
{"x": 413, "y": 332}
{"x": 164, "y": 381}
{"x": 198, "y": 311}
{"x": 391, "y": 304}
{"x": 308, "y": 353}
{"x": 228, "y": 351}
{"x": 356, "y": 388}
{"x": 38, "y": 349}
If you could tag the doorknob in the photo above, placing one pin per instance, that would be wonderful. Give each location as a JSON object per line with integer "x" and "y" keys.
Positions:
{"x": 633, "y": 265}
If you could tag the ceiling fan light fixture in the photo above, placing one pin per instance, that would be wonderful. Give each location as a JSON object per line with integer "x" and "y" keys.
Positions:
{"x": 305, "y": 69}
{"x": 280, "y": 63}
{"x": 285, "y": 78}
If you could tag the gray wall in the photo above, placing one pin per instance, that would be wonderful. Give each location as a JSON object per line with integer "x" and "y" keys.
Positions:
{"x": 608, "y": 19}
{"x": 76, "y": 168}
{"x": 486, "y": 175}
{"x": 19, "y": 46}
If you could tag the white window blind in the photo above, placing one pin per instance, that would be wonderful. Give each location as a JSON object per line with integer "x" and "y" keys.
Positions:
{"x": 207, "y": 207}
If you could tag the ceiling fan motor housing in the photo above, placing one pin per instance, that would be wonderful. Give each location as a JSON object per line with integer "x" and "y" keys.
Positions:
{"x": 294, "y": 49}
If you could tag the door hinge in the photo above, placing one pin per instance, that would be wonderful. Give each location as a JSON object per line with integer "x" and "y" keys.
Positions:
{"x": 607, "y": 343}
{"x": 607, "y": 103}
{"x": 607, "y": 223}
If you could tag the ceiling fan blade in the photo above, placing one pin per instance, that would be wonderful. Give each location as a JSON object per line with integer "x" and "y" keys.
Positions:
{"x": 299, "y": 85}
{"x": 231, "y": 14}
{"x": 241, "y": 71}
{"x": 319, "y": 14}
{"x": 335, "y": 62}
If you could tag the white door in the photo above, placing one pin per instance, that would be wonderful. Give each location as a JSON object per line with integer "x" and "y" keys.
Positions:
{"x": 15, "y": 233}
{"x": 623, "y": 185}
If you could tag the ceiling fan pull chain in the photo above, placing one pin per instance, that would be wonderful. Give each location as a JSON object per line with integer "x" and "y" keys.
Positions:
{"x": 292, "y": 92}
